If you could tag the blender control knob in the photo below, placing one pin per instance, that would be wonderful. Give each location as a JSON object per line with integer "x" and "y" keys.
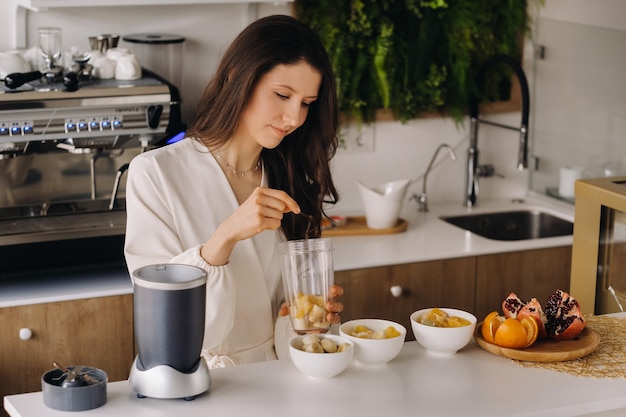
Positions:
{"x": 396, "y": 291}
{"x": 25, "y": 333}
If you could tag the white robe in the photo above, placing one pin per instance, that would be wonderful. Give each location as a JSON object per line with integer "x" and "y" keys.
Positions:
{"x": 176, "y": 196}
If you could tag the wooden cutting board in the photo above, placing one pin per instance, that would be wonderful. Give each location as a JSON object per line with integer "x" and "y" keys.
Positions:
{"x": 547, "y": 350}
{"x": 358, "y": 226}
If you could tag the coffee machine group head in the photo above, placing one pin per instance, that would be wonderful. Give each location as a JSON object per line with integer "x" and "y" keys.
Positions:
{"x": 169, "y": 310}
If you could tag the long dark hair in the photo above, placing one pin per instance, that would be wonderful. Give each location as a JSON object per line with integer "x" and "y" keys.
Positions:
{"x": 300, "y": 165}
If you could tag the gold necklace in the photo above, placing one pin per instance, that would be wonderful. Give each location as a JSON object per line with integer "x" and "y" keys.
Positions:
{"x": 233, "y": 170}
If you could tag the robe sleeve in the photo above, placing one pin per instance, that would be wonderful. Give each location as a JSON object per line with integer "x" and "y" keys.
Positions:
{"x": 151, "y": 238}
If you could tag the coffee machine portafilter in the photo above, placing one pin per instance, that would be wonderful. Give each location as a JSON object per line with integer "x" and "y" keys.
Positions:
{"x": 169, "y": 309}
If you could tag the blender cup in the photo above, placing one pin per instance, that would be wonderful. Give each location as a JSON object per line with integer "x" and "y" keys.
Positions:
{"x": 308, "y": 274}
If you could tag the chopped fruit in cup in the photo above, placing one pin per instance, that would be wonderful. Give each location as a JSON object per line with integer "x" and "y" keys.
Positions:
{"x": 309, "y": 313}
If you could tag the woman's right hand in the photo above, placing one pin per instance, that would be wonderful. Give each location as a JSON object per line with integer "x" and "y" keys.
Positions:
{"x": 263, "y": 210}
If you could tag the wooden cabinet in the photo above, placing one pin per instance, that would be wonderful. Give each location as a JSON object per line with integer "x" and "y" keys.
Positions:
{"x": 533, "y": 273}
{"x": 368, "y": 292}
{"x": 476, "y": 284}
{"x": 95, "y": 332}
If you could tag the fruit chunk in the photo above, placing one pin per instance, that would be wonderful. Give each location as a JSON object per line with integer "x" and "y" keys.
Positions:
{"x": 565, "y": 320}
{"x": 365, "y": 332}
{"x": 512, "y": 305}
{"x": 436, "y": 317}
{"x": 490, "y": 326}
{"x": 533, "y": 309}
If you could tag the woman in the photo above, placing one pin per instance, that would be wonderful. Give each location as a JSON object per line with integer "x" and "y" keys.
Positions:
{"x": 253, "y": 169}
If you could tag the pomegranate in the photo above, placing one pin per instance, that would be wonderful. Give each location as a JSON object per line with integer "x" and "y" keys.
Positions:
{"x": 512, "y": 305}
{"x": 565, "y": 321}
{"x": 533, "y": 309}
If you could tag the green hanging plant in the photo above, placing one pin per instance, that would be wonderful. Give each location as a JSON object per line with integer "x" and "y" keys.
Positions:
{"x": 414, "y": 56}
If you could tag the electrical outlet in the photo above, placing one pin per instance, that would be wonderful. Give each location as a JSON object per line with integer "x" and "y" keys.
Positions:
{"x": 357, "y": 138}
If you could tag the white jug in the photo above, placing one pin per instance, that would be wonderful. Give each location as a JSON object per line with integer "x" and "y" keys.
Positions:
{"x": 383, "y": 203}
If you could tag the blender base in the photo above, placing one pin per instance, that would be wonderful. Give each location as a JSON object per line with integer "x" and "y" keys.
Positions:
{"x": 165, "y": 382}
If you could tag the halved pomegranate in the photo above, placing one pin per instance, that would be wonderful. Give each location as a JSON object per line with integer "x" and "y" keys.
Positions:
{"x": 565, "y": 321}
{"x": 512, "y": 305}
{"x": 533, "y": 309}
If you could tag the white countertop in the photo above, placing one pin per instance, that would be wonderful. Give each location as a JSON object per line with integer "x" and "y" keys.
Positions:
{"x": 471, "y": 383}
{"x": 427, "y": 238}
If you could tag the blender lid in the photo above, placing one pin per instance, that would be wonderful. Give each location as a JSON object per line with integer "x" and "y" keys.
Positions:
{"x": 154, "y": 38}
{"x": 169, "y": 277}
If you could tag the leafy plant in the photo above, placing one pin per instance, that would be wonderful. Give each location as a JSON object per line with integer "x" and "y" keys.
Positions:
{"x": 414, "y": 56}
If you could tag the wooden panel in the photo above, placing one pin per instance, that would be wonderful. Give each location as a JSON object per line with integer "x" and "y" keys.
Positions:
{"x": 94, "y": 332}
{"x": 367, "y": 292}
{"x": 534, "y": 273}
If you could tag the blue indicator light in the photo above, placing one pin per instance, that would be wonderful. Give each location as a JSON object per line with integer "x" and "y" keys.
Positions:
{"x": 177, "y": 137}
{"x": 117, "y": 124}
{"x": 106, "y": 124}
{"x": 16, "y": 130}
{"x": 94, "y": 125}
{"x": 27, "y": 129}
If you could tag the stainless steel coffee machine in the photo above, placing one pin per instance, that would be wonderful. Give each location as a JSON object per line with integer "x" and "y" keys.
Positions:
{"x": 63, "y": 155}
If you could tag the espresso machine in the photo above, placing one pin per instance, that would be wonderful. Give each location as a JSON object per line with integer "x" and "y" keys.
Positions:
{"x": 63, "y": 156}
{"x": 169, "y": 310}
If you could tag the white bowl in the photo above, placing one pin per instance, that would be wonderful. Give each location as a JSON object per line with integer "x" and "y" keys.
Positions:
{"x": 374, "y": 351}
{"x": 443, "y": 341}
{"x": 321, "y": 365}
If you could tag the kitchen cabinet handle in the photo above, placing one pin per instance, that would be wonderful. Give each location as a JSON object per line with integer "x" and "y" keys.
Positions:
{"x": 396, "y": 291}
{"x": 25, "y": 333}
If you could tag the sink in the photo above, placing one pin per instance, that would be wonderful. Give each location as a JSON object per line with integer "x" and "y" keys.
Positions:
{"x": 513, "y": 225}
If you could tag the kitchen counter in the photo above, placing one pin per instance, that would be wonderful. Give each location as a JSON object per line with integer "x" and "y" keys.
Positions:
{"x": 427, "y": 238}
{"x": 471, "y": 383}
{"x": 430, "y": 238}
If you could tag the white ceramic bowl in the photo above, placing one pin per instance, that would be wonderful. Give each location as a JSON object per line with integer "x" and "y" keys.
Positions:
{"x": 443, "y": 341}
{"x": 321, "y": 365}
{"x": 374, "y": 351}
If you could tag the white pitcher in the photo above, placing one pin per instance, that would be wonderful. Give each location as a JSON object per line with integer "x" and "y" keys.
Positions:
{"x": 383, "y": 202}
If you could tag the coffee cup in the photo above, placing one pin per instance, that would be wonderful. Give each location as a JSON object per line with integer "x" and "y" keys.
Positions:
{"x": 104, "y": 68}
{"x": 116, "y": 53}
{"x": 12, "y": 62}
{"x": 127, "y": 68}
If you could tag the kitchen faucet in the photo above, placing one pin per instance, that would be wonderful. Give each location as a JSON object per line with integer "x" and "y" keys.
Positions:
{"x": 474, "y": 171}
{"x": 422, "y": 199}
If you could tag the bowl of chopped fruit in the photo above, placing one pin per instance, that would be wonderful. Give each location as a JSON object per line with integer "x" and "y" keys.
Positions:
{"x": 376, "y": 341}
{"x": 443, "y": 331}
{"x": 321, "y": 355}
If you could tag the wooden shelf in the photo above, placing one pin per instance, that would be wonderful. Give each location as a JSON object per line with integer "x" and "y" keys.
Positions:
{"x": 20, "y": 8}
{"x": 38, "y": 5}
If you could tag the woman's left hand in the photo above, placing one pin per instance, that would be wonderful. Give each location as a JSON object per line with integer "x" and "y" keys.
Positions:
{"x": 333, "y": 307}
